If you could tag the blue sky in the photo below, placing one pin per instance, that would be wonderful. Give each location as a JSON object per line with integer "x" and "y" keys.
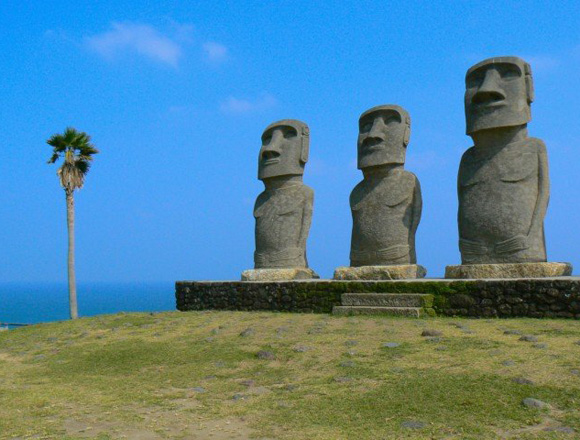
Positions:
{"x": 176, "y": 94}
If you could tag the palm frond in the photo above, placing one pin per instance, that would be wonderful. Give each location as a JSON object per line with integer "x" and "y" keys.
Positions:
{"x": 77, "y": 151}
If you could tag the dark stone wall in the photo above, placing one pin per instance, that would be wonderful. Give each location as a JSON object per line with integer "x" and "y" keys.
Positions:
{"x": 536, "y": 298}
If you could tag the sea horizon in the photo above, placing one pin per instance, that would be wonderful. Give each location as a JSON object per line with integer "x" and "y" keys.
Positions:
{"x": 36, "y": 302}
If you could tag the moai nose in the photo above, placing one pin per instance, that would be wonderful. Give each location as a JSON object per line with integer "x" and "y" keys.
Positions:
{"x": 490, "y": 89}
{"x": 376, "y": 130}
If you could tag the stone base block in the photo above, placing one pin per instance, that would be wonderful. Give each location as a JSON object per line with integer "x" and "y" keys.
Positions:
{"x": 395, "y": 272}
{"x": 513, "y": 270}
{"x": 298, "y": 273}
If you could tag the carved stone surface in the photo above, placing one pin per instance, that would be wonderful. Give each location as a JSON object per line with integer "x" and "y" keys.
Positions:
{"x": 283, "y": 212}
{"x": 514, "y": 270}
{"x": 503, "y": 183}
{"x": 393, "y": 272}
{"x": 302, "y": 273}
{"x": 386, "y": 205}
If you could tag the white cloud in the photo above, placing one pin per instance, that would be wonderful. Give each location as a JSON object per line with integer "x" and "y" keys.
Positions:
{"x": 140, "y": 38}
{"x": 240, "y": 106}
{"x": 215, "y": 52}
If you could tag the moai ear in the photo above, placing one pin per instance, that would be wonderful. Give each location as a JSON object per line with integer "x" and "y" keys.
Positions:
{"x": 305, "y": 145}
{"x": 529, "y": 84}
{"x": 407, "y": 135}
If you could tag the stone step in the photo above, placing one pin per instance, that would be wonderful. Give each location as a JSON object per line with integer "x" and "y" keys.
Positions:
{"x": 386, "y": 299}
{"x": 412, "y": 312}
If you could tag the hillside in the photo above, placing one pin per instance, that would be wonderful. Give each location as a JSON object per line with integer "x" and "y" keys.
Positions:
{"x": 239, "y": 375}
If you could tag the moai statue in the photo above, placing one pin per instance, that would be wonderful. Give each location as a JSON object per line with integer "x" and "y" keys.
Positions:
{"x": 503, "y": 183}
{"x": 386, "y": 205}
{"x": 283, "y": 211}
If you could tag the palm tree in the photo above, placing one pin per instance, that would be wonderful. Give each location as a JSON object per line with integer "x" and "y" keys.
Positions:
{"x": 77, "y": 151}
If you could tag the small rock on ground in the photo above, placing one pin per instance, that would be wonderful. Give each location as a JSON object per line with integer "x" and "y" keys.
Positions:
{"x": 248, "y": 383}
{"x": 431, "y": 332}
{"x": 413, "y": 424}
{"x": 391, "y": 344}
{"x": 247, "y": 332}
{"x": 267, "y": 355}
{"x": 540, "y": 345}
{"x": 512, "y": 332}
{"x": 523, "y": 381}
{"x": 508, "y": 363}
{"x": 530, "y": 402}
{"x": 347, "y": 364}
{"x": 441, "y": 348}
{"x": 575, "y": 372}
{"x": 199, "y": 389}
{"x": 529, "y": 338}
{"x": 343, "y": 379}
{"x": 301, "y": 348}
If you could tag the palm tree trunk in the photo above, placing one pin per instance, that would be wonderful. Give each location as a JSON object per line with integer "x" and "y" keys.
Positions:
{"x": 72, "y": 284}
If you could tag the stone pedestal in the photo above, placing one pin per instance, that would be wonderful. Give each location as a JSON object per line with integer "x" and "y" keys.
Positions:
{"x": 513, "y": 270}
{"x": 299, "y": 273}
{"x": 395, "y": 272}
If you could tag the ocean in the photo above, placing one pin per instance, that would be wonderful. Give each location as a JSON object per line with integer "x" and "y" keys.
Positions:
{"x": 35, "y": 302}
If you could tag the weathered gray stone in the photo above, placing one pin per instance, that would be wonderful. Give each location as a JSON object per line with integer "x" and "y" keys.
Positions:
{"x": 411, "y": 312}
{"x": 503, "y": 183}
{"x": 266, "y": 355}
{"x": 279, "y": 274}
{"x": 394, "y": 272}
{"x": 508, "y": 270}
{"x": 528, "y": 338}
{"x": 386, "y": 205}
{"x": 391, "y": 344}
{"x": 431, "y": 332}
{"x": 534, "y": 403}
{"x": 385, "y": 299}
{"x": 283, "y": 212}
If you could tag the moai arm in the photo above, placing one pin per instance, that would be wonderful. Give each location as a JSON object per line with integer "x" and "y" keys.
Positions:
{"x": 520, "y": 242}
{"x": 306, "y": 217}
{"x": 543, "y": 191}
{"x": 415, "y": 219}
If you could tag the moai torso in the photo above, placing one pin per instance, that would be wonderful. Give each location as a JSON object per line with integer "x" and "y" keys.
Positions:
{"x": 386, "y": 205}
{"x": 283, "y": 212}
{"x": 283, "y": 218}
{"x": 385, "y": 215}
{"x": 503, "y": 183}
{"x": 499, "y": 192}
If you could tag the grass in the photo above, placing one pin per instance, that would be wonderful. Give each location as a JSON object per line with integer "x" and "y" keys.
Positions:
{"x": 192, "y": 375}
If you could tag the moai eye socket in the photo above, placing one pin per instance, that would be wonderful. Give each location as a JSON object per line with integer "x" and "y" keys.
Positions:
{"x": 390, "y": 119}
{"x": 365, "y": 125}
{"x": 266, "y": 138}
{"x": 475, "y": 78}
{"x": 509, "y": 71}
{"x": 289, "y": 132}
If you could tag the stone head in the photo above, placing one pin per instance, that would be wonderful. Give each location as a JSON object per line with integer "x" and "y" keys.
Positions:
{"x": 498, "y": 93}
{"x": 284, "y": 149}
{"x": 384, "y": 133}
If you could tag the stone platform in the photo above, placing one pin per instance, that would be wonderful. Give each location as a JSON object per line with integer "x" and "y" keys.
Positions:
{"x": 531, "y": 297}
{"x": 301, "y": 273}
{"x": 394, "y": 272}
{"x": 514, "y": 270}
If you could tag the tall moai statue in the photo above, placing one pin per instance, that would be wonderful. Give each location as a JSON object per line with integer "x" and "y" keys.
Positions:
{"x": 503, "y": 184}
{"x": 386, "y": 205}
{"x": 283, "y": 211}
